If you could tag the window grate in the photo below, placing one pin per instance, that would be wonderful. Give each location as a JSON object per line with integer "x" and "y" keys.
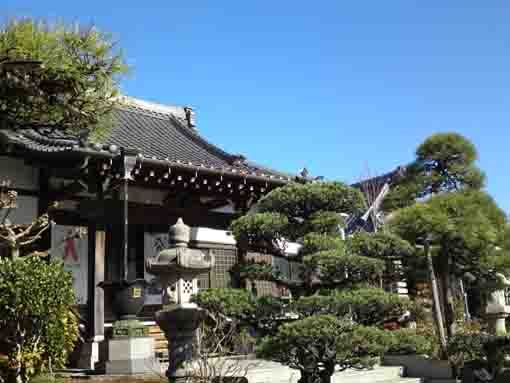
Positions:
{"x": 220, "y": 276}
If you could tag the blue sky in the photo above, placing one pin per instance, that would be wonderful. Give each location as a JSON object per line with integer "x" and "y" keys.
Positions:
{"x": 344, "y": 88}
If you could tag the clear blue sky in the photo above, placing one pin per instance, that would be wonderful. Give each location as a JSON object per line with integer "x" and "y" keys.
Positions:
{"x": 337, "y": 86}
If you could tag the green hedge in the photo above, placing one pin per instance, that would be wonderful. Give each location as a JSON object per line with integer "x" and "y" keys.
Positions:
{"x": 38, "y": 327}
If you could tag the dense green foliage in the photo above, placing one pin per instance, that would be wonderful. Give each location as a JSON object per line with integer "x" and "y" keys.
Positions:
{"x": 256, "y": 271}
{"x": 317, "y": 344}
{"x": 292, "y": 211}
{"x": 395, "y": 252}
{"x": 236, "y": 303}
{"x": 336, "y": 269}
{"x": 463, "y": 228}
{"x": 483, "y": 349}
{"x": 316, "y": 242}
{"x": 465, "y": 348}
{"x": 55, "y": 76}
{"x": 444, "y": 162}
{"x": 261, "y": 231}
{"x": 239, "y": 305}
{"x": 328, "y": 291}
{"x": 366, "y": 306}
{"x": 441, "y": 204}
{"x": 468, "y": 224}
{"x": 37, "y": 327}
{"x": 498, "y": 261}
{"x": 301, "y": 203}
{"x": 448, "y": 163}
{"x": 311, "y": 214}
{"x": 382, "y": 245}
{"x": 409, "y": 342}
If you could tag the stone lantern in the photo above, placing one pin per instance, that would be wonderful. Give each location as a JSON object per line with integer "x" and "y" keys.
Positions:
{"x": 177, "y": 268}
{"x": 497, "y": 309}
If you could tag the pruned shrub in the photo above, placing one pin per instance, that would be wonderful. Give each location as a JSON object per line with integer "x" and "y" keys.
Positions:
{"x": 37, "y": 327}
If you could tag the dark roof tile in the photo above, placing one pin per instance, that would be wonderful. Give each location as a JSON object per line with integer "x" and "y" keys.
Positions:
{"x": 154, "y": 133}
{"x": 163, "y": 136}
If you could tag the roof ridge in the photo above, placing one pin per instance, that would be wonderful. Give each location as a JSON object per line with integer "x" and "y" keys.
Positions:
{"x": 146, "y": 112}
{"x": 150, "y": 105}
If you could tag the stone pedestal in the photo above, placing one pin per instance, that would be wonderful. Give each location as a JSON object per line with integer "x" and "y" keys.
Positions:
{"x": 179, "y": 324}
{"x": 128, "y": 356}
{"x": 496, "y": 312}
{"x": 496, "y": 323}
{"x": 131, "y": 350}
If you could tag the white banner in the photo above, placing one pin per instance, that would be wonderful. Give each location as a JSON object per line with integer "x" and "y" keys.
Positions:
{"x": 70, "y": 244}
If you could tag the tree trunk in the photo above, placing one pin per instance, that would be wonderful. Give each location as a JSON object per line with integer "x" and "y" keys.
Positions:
{"x": 238, "y": 280}
{"x": 16, "y": 373}
{"x": 438, "y": 312}
{"x": 327, "y": 373}
{"x": 14, "y": 252}
{"x": 447, "y": 295}
{"x": 307, "y": 377}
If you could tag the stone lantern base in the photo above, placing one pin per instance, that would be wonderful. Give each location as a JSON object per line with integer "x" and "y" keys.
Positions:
{"x": 497, "y": 322}
{"x": 179, "y": 324}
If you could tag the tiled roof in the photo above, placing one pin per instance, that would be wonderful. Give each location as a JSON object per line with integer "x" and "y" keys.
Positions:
{"x": 379, "y": 181}
{"x": 164, "y": 137}
{"x": 158, "y": 133}
{"x": 41, "y": 140}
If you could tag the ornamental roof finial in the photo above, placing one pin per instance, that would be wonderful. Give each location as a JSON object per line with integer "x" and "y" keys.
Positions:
{"x": 179, "y": 234}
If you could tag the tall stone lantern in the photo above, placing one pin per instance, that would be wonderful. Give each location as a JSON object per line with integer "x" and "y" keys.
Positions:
{"x": 177, "y": 268}
{"x": 497, "y": 309}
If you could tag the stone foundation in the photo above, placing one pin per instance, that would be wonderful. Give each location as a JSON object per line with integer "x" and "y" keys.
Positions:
{"x": 129, "y": 356}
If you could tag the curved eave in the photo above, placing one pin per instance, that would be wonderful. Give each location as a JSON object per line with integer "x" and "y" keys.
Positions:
{"x": 103, "y": 154}
{"x": 209, "y": 170}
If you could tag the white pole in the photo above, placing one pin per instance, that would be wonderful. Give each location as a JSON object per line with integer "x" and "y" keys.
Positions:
{"x": 467, "y": 314}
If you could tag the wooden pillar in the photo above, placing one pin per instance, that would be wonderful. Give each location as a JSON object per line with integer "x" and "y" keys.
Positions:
{"x": 95, "y": 299}
{"x": 140, "y": 259}
{"x": 95, "y": 276}
{"x": 129, "y": 158}
{"x": 43, "y": 203}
